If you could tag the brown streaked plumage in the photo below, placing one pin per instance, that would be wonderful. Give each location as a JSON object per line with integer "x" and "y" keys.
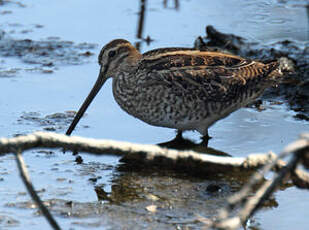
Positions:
{"x": 179, "y": 88}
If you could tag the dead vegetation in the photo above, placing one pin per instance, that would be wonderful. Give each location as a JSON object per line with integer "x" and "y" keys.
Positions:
{"x": 245, "y": 204}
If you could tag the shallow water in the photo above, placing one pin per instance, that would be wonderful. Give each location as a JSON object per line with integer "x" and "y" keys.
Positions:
{"x": 28, "y": 96}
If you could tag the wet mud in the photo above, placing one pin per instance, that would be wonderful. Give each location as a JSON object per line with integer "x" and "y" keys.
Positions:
{"x": 51, "y": 122}
{"x": 145, "y": 200}
{"x": 45, "y": 56}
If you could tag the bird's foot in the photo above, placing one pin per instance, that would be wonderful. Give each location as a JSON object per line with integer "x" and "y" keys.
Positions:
{"x": 205, "y": 140}
{"x": 178, "y": 142}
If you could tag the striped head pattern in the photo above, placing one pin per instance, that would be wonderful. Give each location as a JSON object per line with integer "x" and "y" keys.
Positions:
{"x": 116, "y": 55}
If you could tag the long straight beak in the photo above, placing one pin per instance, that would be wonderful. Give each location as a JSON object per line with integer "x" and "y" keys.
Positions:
{"x": 96, "y": 88}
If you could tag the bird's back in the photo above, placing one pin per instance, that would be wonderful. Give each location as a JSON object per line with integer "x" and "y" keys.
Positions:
{"x": 218, "y": 75}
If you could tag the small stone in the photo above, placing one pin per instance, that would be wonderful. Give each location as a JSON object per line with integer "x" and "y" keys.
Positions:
{"x": 152, "y": 197}
{"x": 93, "y": 179}
{"x": 47, "y": 71}
{"x": 213, "y": 188}
{"x": 79, "y": 160}
{"x": 151, "y": 208}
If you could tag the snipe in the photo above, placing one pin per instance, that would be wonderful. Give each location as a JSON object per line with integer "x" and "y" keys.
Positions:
{"x": 179, "y": 88}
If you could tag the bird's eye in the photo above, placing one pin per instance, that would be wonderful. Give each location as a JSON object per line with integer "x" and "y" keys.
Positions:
{"x": 111, "y": 53}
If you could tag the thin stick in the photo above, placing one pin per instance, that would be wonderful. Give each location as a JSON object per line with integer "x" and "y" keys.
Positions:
{"x": 294, "y": 147}
{"x": 250, "y": 205}
{"x": 254, "y": 202}
{"x": 266, "y": 190}
{"x": 26, "y": 180}
{"x": 141, "y": 19}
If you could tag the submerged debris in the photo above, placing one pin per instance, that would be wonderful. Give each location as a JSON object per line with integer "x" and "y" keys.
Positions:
{"x": 45, "y": 54}
{"x": 8, "y": 221}
{"x": 52, "y": 122}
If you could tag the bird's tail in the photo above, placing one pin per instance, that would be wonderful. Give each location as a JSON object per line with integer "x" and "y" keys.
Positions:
{"x": 277, "y": 69}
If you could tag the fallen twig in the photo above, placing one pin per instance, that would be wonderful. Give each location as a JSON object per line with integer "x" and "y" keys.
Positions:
{"x": 26, "y": 179}
{"x": 248, "y": 206}
{"x": 131, "y": 151}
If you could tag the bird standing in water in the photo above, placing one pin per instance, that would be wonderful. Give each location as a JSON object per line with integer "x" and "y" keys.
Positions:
{"x": 179, "y": 88}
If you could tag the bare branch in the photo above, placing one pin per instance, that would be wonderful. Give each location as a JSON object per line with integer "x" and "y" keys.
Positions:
{"x": 26, "y": 180}
{"x": 129, "y": 150}
{"x": 265, "y": 191}
{"x": 134, "y": 152}
{"x": 249, "y": 206}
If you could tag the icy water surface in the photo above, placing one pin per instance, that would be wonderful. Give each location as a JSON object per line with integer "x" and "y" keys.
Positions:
{"x": 38, "y": 91}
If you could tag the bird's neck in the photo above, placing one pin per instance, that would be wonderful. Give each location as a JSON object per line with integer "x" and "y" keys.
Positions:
{"x": 130, "y": 59}
{"x": 127, "y": 65}
{"x": 125, "y": 80}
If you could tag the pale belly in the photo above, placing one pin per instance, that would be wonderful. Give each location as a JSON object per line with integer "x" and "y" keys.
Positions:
{"x": 165, "y": 107}
{"x": 182, "y": 116}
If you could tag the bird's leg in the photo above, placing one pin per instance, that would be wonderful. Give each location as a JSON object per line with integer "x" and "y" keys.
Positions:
{"x": 178, "y": 142}
{"x": 205, "y": 139}
{"x": 179, "y": 136}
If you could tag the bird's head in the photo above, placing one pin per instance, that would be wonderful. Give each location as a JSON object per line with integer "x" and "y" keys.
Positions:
{"x": 116, "y": 56}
